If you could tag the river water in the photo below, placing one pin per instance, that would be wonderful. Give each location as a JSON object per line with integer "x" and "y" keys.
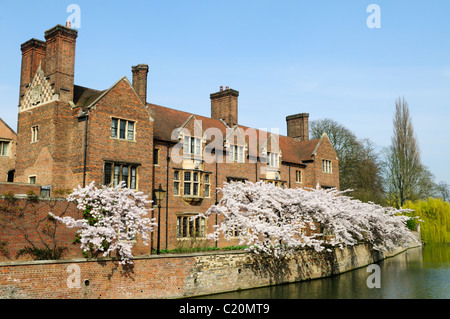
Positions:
{"x": 418, "y": 273}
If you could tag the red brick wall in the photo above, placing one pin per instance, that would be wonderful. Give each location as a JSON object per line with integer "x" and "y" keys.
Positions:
{"x": 19, "y": 189}
{"x": 37, "y": 158}
{"x": 174, "y": 276}
{"x": 23, "y": 223}
{"x": 326, "y": 152}
{"x": 7, "y": 162}
{"x": 121, "y": 102}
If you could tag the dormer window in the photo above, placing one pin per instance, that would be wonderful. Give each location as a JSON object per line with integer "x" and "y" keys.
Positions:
{"x": 192, "y": 145}
{"x": 236, "y": 154}
{"x": 273, "y": 159}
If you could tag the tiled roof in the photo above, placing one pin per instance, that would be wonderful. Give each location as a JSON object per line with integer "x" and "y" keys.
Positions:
{"x": 166, "y": 120}
{"x": 83, "y": 96}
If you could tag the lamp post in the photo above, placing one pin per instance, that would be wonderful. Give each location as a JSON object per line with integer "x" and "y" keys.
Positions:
{"x": 159, "y": 195}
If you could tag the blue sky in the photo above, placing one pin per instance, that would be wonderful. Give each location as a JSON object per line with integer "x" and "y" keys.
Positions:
{"x": 284, "y": 57}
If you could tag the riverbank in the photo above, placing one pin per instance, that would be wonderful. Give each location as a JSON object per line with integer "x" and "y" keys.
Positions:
{"x": 175, "y": 276}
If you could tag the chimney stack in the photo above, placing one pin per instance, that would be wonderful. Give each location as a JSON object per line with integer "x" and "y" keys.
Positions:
{"x": 224, "y": 106}
{"x": 140, "y": 73}
{"x": 297, "y": 126}
{"x": 60, "y": 60}
{"x": 33, "y": 55}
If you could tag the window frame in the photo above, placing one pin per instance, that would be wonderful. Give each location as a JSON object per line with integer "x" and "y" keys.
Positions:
{"x": 117, "y": 173}
{"x": 156, "y": 156}
{"x": 327, "y": 166}
{"x": 273, "y": 159}
{"x": 186, "y": 227}
{"x": 298, "y": 176}
{"x": 176, "y": 183}
{"x": 32, "y": 177}
{"x": 192, "y": 184}
{"x": 4, "y": 147}
{"x": 34, "y": 134}
{"x": 117, "y": 129}
{"x": 192, "y": 146}
{"x": 207, "y": 184}
{"x": 236, "y": 153}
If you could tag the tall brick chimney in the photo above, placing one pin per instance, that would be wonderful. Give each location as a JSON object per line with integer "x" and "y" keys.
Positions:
{"x": 33, "y": 55}
{"x": 60, "y": 60}
{"x": 297, "y": 126}
{"x": 140, "y": 73}
{"x": 224, "y": 106}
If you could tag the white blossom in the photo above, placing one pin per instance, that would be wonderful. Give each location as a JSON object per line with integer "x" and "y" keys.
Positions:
{"x": 113, "y": 217}
{"x": 276, "y": 221}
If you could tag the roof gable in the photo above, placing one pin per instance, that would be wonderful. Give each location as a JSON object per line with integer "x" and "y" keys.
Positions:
{"x": 39, "y": 92}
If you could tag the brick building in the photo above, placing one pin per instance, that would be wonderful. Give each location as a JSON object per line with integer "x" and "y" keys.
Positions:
{"x": 8, "y": 139}
{"x": 70, "y": 135}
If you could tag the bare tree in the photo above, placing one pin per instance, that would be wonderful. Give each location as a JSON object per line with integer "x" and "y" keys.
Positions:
{"x": 443, "y": 191}
{"x": 404, "y": 170}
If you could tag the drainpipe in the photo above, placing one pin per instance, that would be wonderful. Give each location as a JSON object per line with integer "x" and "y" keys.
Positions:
{"x": 217, "y": 167}
{"x": 167, "y": 195}
{"x": 289, "y": 176}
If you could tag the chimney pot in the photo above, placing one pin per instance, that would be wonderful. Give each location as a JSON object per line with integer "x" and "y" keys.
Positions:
{"x": 298, "y": 127}
{"x": 221, "y": 88}
{"x": 224, "y": 106}
{"x": 140, "y": 73}
{"x": 60, "y": 60}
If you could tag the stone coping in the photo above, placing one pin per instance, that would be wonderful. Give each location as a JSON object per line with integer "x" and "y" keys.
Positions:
{"x": 161, "y": 256}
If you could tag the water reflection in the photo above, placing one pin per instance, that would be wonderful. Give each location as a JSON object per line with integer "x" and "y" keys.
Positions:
{"x": 418, "y": 273}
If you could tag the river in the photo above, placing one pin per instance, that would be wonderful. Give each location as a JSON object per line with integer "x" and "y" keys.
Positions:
{"x": 418, "y": 273}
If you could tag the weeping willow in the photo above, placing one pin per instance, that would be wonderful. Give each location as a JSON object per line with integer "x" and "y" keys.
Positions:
{"x": 434, "y": 221}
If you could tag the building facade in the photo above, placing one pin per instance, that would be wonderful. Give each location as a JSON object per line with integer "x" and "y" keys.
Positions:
{"x": 70, "y": 135}
{"x": 8, "y": 139}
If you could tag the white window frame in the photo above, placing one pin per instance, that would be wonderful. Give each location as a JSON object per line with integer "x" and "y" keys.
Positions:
{"x": 327, "y": 166}
{"x": 273, "y": 159}
{"x": 192, "y": 145}
{"x": 236, "y": 153}
{"x": 298, "y": 176}
{"x": 30, "y": 177}
{"x": 34, "y": 133}
{"x": 4, "y": 147}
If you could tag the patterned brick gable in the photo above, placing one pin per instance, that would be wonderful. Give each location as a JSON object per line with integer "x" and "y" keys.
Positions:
{"x": 39, "y": 92}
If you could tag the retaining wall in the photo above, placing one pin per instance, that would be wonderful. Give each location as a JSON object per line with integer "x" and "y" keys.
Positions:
{"x": 174, "y": 276}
